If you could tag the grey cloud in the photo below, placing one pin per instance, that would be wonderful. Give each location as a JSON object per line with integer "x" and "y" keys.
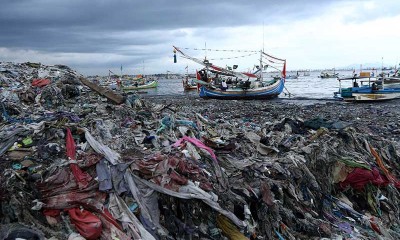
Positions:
{"x": 136, "y": 29}
{"x": 86, "y": 26}
{"x": 388, "y": 8}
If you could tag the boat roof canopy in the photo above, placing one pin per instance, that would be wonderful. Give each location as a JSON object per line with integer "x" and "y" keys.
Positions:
{"x": 371, "y": 79}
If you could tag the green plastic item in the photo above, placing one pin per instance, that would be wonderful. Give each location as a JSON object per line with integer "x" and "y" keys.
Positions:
{"x": 27, "y": 141}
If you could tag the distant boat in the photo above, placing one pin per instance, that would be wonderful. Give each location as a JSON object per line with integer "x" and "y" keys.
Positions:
{"x": 366, "y": 89}
{"x": 188, "y": 86}
{"x": 391, "y": 80}
{"x": 136, "y": 85}
{"x": 327, "y": 74}
{"x": 224, "y": 83}
{"x": 292, "y": 77}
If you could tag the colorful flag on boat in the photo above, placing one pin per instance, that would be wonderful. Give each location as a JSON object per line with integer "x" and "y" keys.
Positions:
{"x": 198, "y": 75}
{"x": 284, "y": 70}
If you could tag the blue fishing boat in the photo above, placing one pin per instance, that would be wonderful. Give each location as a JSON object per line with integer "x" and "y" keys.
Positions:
{"x": 366, "y": 89}
{"x": 224, "y": 83}
{"x": 265, "y": 91}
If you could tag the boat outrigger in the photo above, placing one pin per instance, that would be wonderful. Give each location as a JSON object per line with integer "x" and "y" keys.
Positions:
{"x": 223, "y": 83}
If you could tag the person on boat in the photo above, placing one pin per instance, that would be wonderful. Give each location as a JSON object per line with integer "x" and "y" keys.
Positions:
{"x": 374, "y": 86}
{"x": 204, "y": 76}
{"x": 217, "y": 80}
{"x": 247, "y": 83}
{"x": 355, "y": 84}
{"x": 224, "y": 86}
{"x": 236, "y": 81}
{"x": 212, "y": 82}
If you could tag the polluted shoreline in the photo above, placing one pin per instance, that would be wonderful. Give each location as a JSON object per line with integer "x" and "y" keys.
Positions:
{"x": 76, "y": 165}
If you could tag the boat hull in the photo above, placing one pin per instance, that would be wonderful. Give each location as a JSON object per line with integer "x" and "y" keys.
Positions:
{"x": 152, "y": 84}
{"x": 188, "y": 87}
{"x": 268, "y": 92}
{"x": 369, "y": 95}
{"x": 332, "y": 76}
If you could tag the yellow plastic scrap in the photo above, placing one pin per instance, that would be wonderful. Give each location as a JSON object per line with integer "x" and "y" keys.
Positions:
{"x": 321, "y": 131}
{"x": 229, "y": 229}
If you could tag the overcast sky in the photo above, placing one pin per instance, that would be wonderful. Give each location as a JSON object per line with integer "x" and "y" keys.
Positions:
{"x": 96, "y": 36}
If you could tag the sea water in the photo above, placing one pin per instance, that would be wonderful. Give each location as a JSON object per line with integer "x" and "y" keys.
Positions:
{"x": 307, "y": 87}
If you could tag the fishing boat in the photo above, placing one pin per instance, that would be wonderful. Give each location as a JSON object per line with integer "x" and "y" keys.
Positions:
{"x": 188, "y": 85}
{"x": 224, "y": 83}
{"x": 293, "y": 76}
{"x": 327, "y": 74}
{"x": 138, "y": 85}
{"x": 262, "y": 91}
{"x": 391, "y": 80}
{"x": 366, "y": 89}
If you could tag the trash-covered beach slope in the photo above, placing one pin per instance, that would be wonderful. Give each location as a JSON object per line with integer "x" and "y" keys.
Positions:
{"x": 76, "y": 164}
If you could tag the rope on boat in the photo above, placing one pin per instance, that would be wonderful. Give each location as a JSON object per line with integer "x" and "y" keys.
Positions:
{"x": 288, "y": 93}
{"x": 220, "y": 50}
{"x": 224, "y": 58}
{"x": 233, "y": 57}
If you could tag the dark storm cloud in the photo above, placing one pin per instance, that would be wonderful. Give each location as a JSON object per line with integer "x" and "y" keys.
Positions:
{"x": 104, "y": 34}
{"x": 105, "y": 26}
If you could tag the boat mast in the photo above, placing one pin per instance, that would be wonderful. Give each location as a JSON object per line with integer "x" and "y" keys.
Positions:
{"x": 383, "y": 76}
{"x": 261, "y": 54}
{"x": 205, "y": 50}
{"x": 261, "y": 66}
{"x": 205, "y": 59}
{"x": 143, "y": 69}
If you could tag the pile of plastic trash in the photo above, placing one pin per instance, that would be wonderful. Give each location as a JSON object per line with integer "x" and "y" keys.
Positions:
{"x": 75, "y": 165}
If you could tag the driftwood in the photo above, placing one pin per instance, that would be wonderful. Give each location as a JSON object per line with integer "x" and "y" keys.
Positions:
{"x": 108, "y": 93}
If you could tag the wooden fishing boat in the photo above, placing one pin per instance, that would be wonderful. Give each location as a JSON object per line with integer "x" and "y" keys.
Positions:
{"x": 292, "y": 77}
{"x": 224, "y": 83}
{"x": 188, "y": 86}
{"x": 261, "y": 92}
{"x": 366, "y": 89}
{"x": 137, "y": 86}
{"x": 326, "y": 74}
